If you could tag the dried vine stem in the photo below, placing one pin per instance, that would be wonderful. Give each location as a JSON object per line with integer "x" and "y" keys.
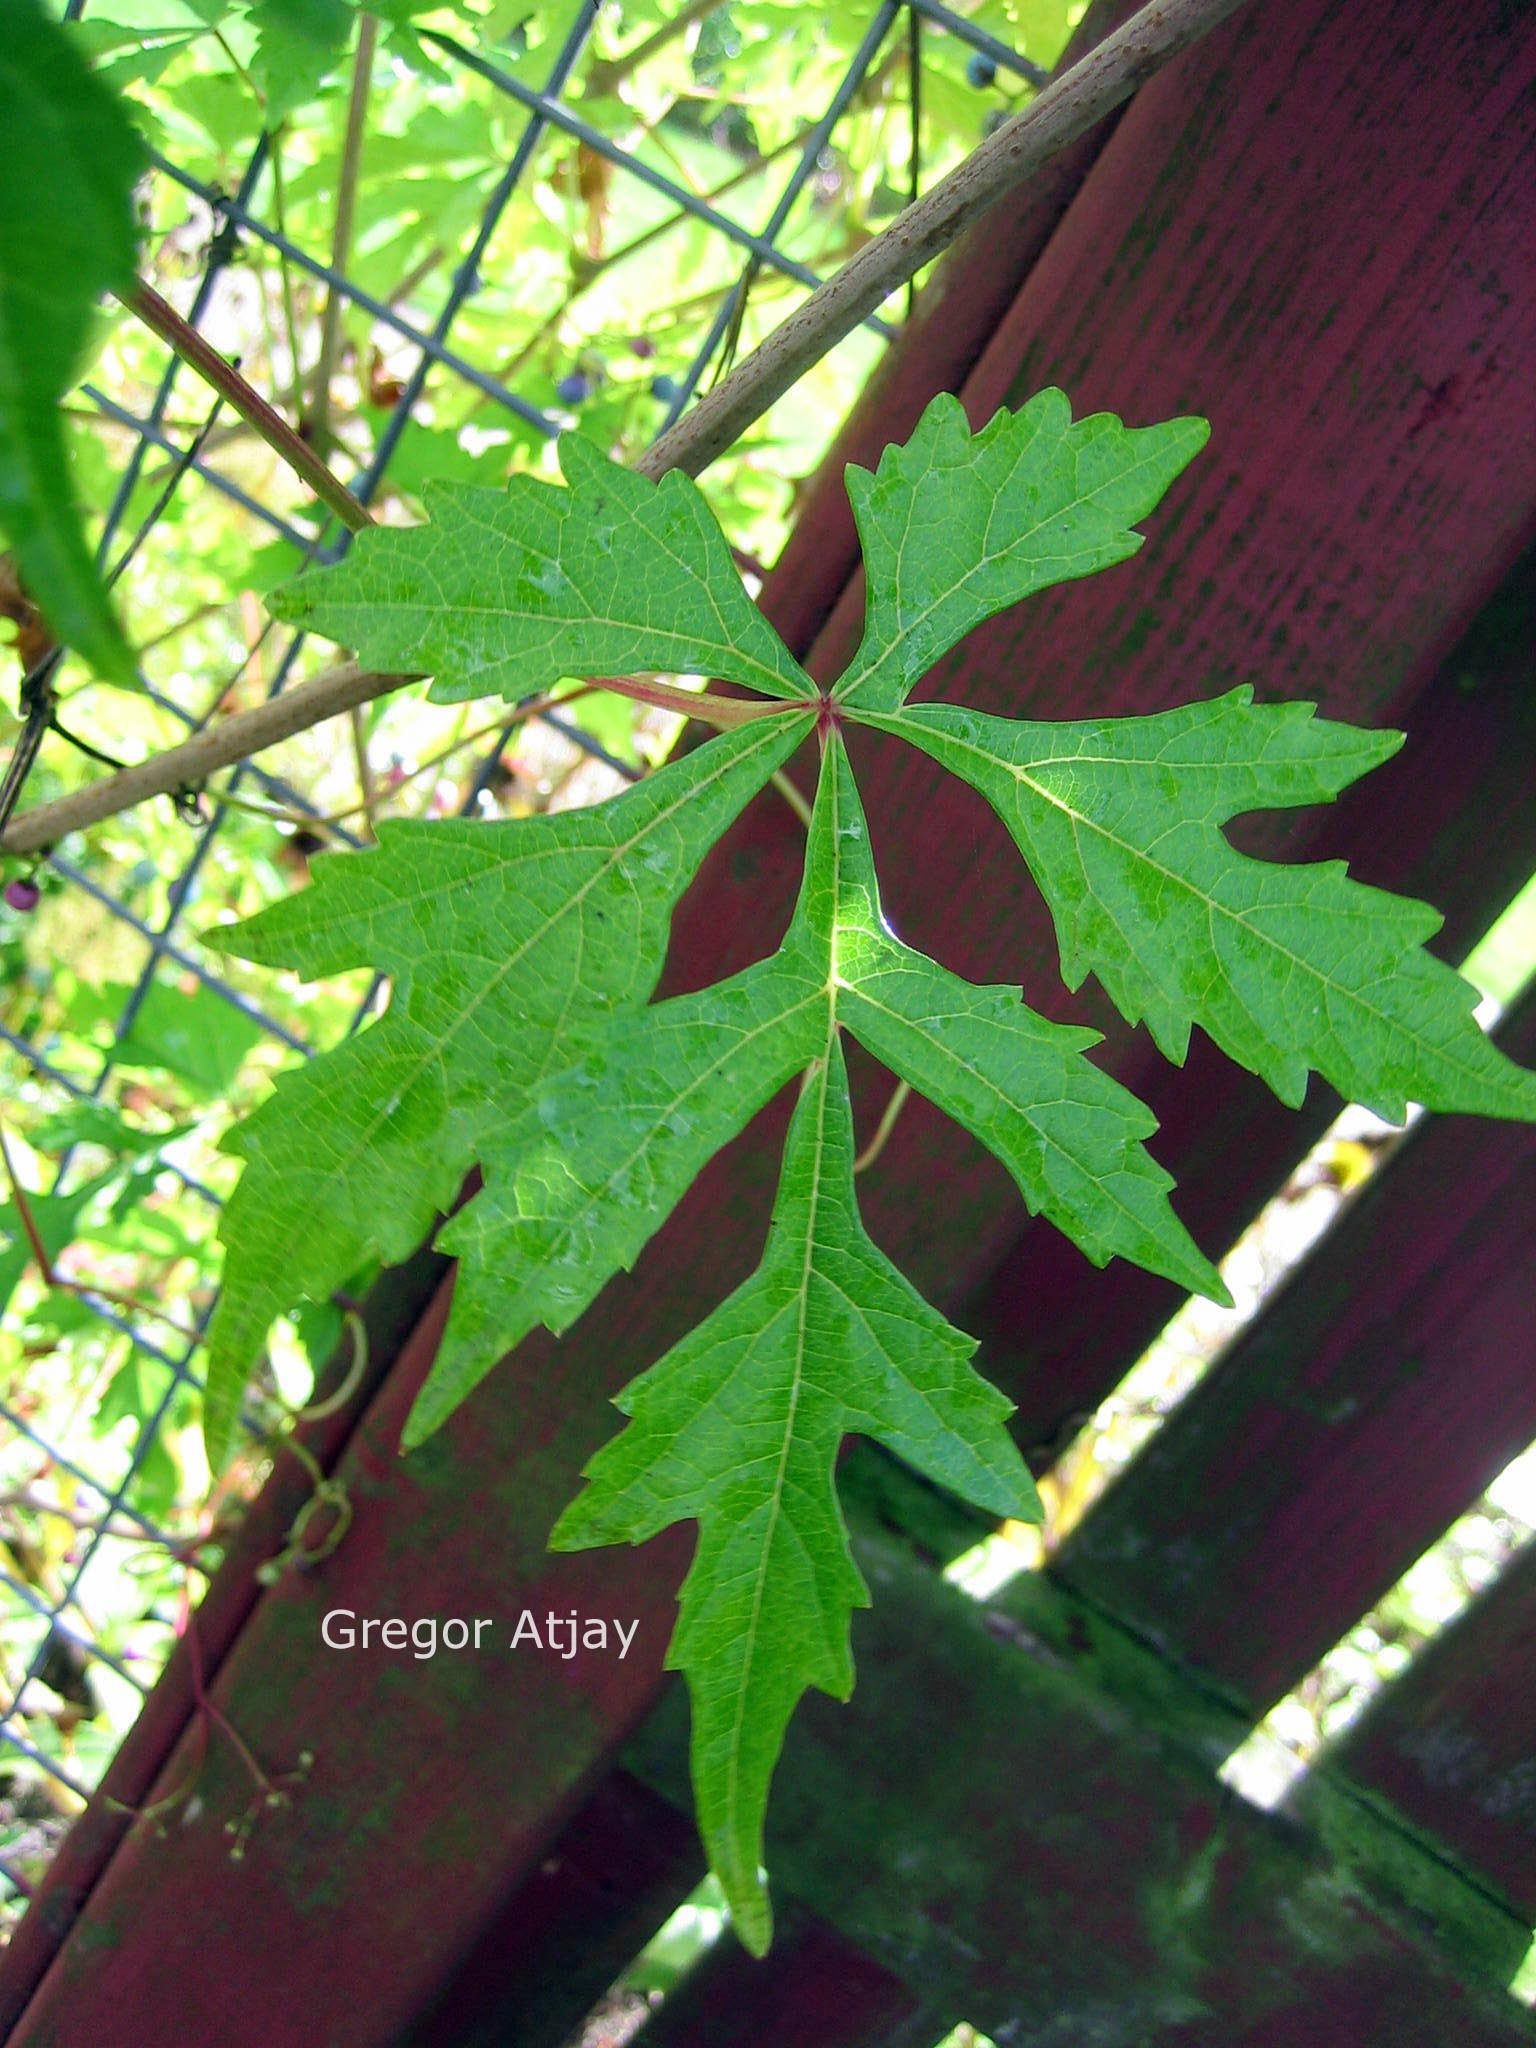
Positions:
{"x": 233, "y": 739}
{"x": 200, "y": 355}
{"x": 333, "y": 691}
{"x": 1066, "y": 109}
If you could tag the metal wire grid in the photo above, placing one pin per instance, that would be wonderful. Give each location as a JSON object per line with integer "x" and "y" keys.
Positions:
{"x": 544, "y": 112}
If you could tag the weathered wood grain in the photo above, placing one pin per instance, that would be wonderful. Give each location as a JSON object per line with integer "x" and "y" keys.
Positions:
{"x": 1072, "y": 1872}
{"x": 1388, "y": 1380}
{"x": 817, "y": 1992}
{"x": 559, "y": 1940}
{"x": 1320, "y": 234}
{"x": 1451, "y": 1747}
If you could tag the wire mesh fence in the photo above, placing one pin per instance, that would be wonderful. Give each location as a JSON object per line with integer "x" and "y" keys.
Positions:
{"x": 436, "y": 259}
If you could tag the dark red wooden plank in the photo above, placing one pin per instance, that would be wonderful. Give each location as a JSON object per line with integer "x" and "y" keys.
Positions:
{"x": 1353, "y": 524}
{"x": 391, "y": 1319}
{"x": 956, "y": 315}
{"x": 1449, "y": 820}
{"x": 551, "y": 1950}
{"x": 1452, "y": 1745}
{"x": 814, "y": 1991}
{"x": 1238, "y": 249}
{"x": 436, "y": 1786}
{"x": 1060, "y": 1865}
{"x": 1384, "y": 1385}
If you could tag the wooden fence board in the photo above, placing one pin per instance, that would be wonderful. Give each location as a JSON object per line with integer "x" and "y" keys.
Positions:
{"x": 1237, "y": 247}
{"x": 436, "y": 1785}
{"x": 1452, "y": 1745}
{"x": 1071, "y": 1871}
{"x": 1385, "y": 1384}
{"x": 817, "y": 1992}
{"x": 392, "y": 1320}
{"x": 561, "y": 1938}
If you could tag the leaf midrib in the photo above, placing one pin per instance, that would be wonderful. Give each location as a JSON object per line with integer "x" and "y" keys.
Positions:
{"x": 845, "y": 688}
{"x": 1389, "y": 1024}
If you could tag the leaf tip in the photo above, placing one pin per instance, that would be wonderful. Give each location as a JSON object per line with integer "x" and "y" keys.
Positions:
{"x": 751, "y": 1914}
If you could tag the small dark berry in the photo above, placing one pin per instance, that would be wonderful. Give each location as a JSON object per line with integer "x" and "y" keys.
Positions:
{"x": 667, "y": 389}
{"x": 980, "y": 71}
{"x": 574, "y": 389}
{"x": 22, "y": 895}
{"x": 643, "y": 348}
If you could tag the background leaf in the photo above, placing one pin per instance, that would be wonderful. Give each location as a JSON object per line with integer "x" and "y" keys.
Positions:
{"x": 66, "y": 236}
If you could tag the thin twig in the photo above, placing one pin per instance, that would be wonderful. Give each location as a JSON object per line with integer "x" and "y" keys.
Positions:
{"x": 317, "y": 418}
{"x": 284, "y": 272}
{"x": 592, "y": 272}
{"x": 607, "y": 74}
{"x": 236, "y": 738}
{"x": 531, "y": 707}
{"x": 199, "y": 355}
{"x": 367, "y": 788}
{"x": 884, "y": 1128}
{"x": 792, "y": 797}
{"x": 85, "y": 1289}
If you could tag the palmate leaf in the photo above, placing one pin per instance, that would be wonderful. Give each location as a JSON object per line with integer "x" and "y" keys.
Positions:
{"x": 520, "y": 1033}
{"x": 956, "y": 526}
{"x": 579, "y": 1182}
{"x": 66, "y": 236}
{"x": 504, "y": 942}
{"x": 739, "y": 1425}
{"x": 507, "y": 591}
{"x": 1287, "y": 968}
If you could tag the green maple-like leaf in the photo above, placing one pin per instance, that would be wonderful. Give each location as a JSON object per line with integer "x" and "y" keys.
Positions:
{"x": 504, "y": 942}
{"x": 299, "y": 44}
{"x": 738, "y": 1427}
{"x": 957, "y": 526}
{"x": 66, "y": 236}
{"x": 520, "y": 1034}
{"x": 504, "y": 592}
{"x": 1287, "y": 968}
{"x": 582, "y": 1179}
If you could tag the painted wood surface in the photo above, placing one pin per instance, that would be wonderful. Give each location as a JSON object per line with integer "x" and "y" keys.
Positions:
{"x": 1452, "y": 1746}
{"x": 1388, "y": 1380}
{"x": 818, "y": 1992}
{"x": 1205, "y": 1922}
{"x": 1320, "y": 235}
{"x": 559, "y": 1940}
{"x": 1449, "y": 820}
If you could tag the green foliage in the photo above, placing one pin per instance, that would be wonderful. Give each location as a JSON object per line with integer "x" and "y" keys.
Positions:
{"x": 956, "y": 526}
{"x": 520, "y": 1035}
{"x": 508, "y": 591}
{"x": 587, "y": 270}
{"x": 66, "y": 236}
{"x": 1287, "y": 969}
{"x": 504, "y": 943}
{"x": 299, "y": 43}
